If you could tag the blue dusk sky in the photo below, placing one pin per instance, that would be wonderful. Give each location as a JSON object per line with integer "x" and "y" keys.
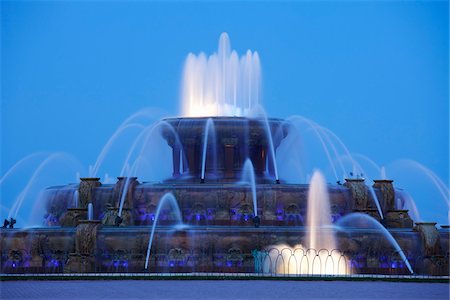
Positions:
{"x": 374, "y": 72}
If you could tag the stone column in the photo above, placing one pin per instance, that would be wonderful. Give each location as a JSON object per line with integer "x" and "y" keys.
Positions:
{"x": 86, "y": 191}
{"x": 176, "y": 161}
{"x": 270, "y": 167}
{"x": 359, "y": 193}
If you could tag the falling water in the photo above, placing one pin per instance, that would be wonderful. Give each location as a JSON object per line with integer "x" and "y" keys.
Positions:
{"x": 55, "y": 158}
{"x": 24, "y": 161}
{"x": 170, "y": 198}
{"x": 375, "y": 199}
{"x": 357, "y": 218}
{"x": 146, "y": 136}
{"x": 75, "y": 198}
{"x": 316, "y": 129}
{"x": 90, "y": 212}
{"x": 248, "y": 176}
{"x": 93, "y": 170}
{"x": 222, "y": 84}
{"x": 124, "y": 194}
{"x": 318, "y": 215}
{"x": 132, "y": 123}
{"x": 405, "y": 201}
{"x": 209, "y": 129}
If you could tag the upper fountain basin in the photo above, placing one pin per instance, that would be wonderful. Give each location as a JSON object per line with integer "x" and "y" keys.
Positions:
{"x": 224, "y": 145}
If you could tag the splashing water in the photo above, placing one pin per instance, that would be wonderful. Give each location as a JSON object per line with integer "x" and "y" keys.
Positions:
{"x": 321, "y": 256}
{"x": 319, "y": 216}
{"x": 222, "y": 84}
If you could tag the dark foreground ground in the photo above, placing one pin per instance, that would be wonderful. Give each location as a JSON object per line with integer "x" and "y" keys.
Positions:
{"x": 220, "y": 289}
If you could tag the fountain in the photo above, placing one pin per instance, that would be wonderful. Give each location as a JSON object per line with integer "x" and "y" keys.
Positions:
{"x": 207, "y": 159}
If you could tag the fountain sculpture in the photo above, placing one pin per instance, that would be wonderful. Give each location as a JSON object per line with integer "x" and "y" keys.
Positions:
{"x": 225, "y": 207}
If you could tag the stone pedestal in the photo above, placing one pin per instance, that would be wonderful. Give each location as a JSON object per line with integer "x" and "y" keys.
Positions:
{"x": 385, "y": 192}
{"x": 73, "y": 216}
{"x": 86, "y": 191}
{"x": 359, "y": 193}
{"x": 430, "y": 238}
{"x": 84, "y": 258}
{"x": 398, "y": 219}
{"x": 128, "y": 183}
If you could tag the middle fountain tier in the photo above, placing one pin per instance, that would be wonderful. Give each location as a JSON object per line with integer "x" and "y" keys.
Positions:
{"x": 214, "y": 149}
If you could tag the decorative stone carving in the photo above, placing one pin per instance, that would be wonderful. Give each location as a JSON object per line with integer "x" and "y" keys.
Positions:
{"x": 398, "y": 219}
{"x": 110, "y": 217}
{"x": 176, "y": 255}
{"x": 73, "y": 216}
{"x": 268, "y": 205}
{"x": 86, "y": 191}
{"x": 430, "y": 239}
{"x": 86, "y": 237}
{"x": 291, "y": 210}
{"x": 77, "y": 263}
{"x": 359, "y": 193}
{"x": 386, "y": 194}
{"x": 83, "y": 260}
{"x": 198, "y": 209}
{"x": 234, "y": 255}
{"x": 222, "y": 206}
{"x": 245, "y": 209}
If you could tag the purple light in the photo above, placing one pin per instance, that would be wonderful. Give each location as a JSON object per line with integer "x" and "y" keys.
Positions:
{"x": 54, "y": 263}
{"x": 229, "y": 264}
{"x": 14, "y": 265}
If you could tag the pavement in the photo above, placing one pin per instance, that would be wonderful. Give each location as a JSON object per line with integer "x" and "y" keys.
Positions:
{"x": 220, "y": 289}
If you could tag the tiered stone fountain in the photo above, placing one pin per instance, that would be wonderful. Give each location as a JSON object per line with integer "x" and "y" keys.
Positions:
{"x": 228, "y": 228}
